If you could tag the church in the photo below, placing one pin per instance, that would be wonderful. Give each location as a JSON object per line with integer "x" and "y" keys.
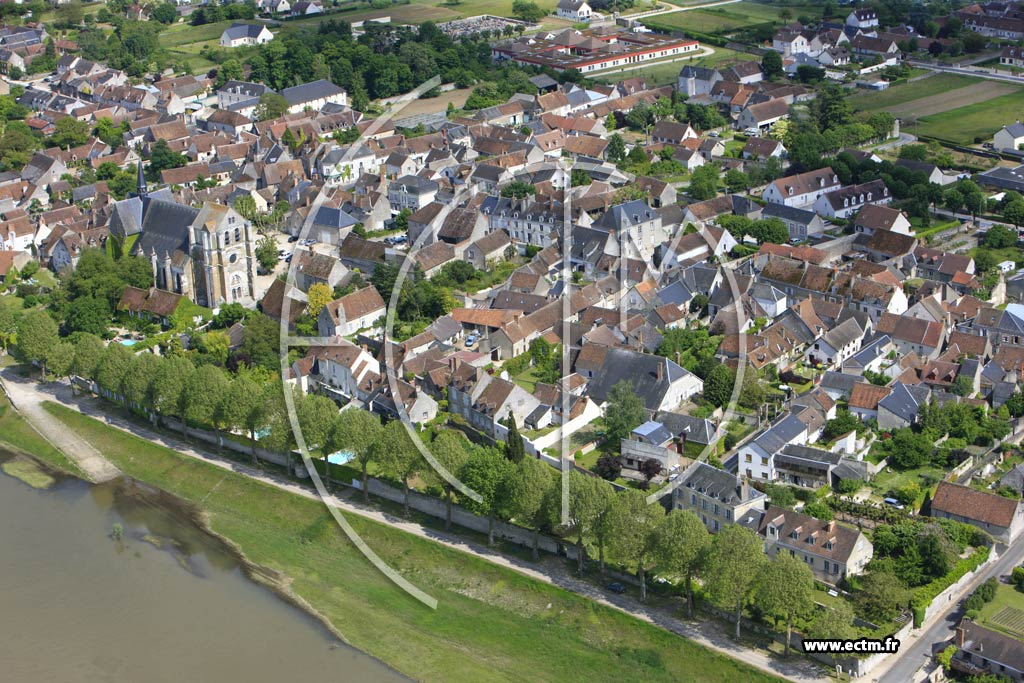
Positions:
{"x": 206, "y": 254}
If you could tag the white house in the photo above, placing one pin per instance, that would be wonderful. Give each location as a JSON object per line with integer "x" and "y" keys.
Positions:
{"x": 863, "y": 18}
{"x": 314, "y": 96}
{"x": 574, "y": 10}
{"x": 239, "y": 34}
{"x": 802, "y": 189}
{"x": 1009, "y": 137}
{"x": 836, "y": 345}
{"x": 351, "y": 313}
{"x": 846, "y": 201}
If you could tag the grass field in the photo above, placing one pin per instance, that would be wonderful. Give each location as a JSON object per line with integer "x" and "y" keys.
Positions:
{"x": 977, "y": 120}
{"x": 16, "y": 433}
{"x": 908, "y": 92}
{"x": 1005, "y": 612}
{"x": 667, "y": 73}
{"x": 732, "y": 17}
{"x": 491, "y": 623}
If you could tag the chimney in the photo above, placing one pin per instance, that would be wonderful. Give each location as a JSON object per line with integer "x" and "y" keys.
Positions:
{"x": 678, "y": 356}
{"x": 831, "y": 525}
{"x": 660, "y": 371}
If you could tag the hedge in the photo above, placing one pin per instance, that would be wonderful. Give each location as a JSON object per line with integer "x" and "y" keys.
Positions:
{"x": 924, "y": 595}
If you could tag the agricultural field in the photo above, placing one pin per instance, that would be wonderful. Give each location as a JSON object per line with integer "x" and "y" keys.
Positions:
{"x": 944, "y": 101}
{"x": 911, "y": 92}
{"x": 977, "y": 120}
{"x": 731, "y": 17}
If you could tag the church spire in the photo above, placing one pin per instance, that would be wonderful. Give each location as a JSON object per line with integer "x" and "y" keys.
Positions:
{"x": 140, "y": 187}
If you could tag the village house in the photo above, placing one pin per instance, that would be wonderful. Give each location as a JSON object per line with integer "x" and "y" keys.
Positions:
{"x": 239, "y": 34}
{"x": 802, "y": 190}
{"x": 831, "y": 550}
{"x": 351, "y": 313}
{"x": 1002, "y": 518}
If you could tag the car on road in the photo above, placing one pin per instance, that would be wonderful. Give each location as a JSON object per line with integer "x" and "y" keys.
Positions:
{"x": 673, "y": 476}
{"x": 714, "y": 134}
{"x": 616, "y": 587}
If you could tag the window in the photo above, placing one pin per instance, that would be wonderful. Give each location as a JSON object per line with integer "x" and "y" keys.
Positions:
{"x": 764, "y": 460}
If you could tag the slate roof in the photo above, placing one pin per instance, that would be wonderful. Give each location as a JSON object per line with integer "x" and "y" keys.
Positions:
{"x": 905, "y": 400}
{"x": 718, "y": 484}
{"x": 307, "y": 92}
{"x": 638, "y": 369}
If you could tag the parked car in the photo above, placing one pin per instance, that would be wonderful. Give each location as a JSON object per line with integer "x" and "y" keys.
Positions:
{"x": 894, "y": 503}
{"x": 471, "y": 340}
{"x": 616, "y": 587}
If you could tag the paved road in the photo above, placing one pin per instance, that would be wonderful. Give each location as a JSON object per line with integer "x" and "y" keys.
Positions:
{"x": 551, "y": 571}
{"x": 978, "y": 71}
{"x": 903, "y": 139}
{"x": 917, "y": 651}
{"x": 21, "y": 392}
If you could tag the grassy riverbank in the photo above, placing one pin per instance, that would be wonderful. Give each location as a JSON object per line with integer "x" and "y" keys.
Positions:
{"x": 18, "y": 435}
{"x": 491, "y": 623}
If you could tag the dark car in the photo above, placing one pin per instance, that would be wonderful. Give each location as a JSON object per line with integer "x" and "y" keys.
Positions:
{"x": 616, "y": 587}
{"x": 293, "y": 238}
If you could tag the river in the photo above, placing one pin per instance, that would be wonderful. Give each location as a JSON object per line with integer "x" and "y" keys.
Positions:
{"x": 165, "y": 603}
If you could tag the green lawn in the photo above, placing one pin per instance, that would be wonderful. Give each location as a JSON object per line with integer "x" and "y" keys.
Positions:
{"x": 891, "y": 479}
{"x": 1005, "y": 613}
{"x": 977, "y": 120}
{"x": 491, "y": 624}
{"x": 907, "y": 92}
{"x": 667, "y": 72}
{"x": 18, "y": 434}
{"x": 177, "y": 35}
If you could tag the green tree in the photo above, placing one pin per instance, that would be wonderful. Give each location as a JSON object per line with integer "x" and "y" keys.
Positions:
{"x": 881, "y": 596}
{"x": 69, "y": 132}
{"x": 735, "y": 179}
{"x": 525, "y": 499}
{"x": 88, "y": 314}
{"x": 785, "y": 591}
{"x": 449, "y": 450}
{"x": 8, "y": 325}
{"x": 113, "y": 368}
{"x": 590, "y": 499}
{"x": 271, "y": 106}
{"x": 164, "y": 13}
{"x": 527, "y": 10}
{"x": 358, "y": 431}
{"x": 704, "y": 182}
{"x": 843, "y": 423}
{"x": 771, "y": 64}
{"x": 204, "y": 394}
{"x": 616, "y": 150}
{"x": 718, "y": 385}
{"x": 682, "y": 547}
{"x": 88, "y": 353}
{"x": 398, "y": 457}
{"x": 517, "y": 189}
{"x": 1001, "y": 237}
{"x": 734, "y": 563}
{"x": 138, "y": 381}
{"x": 624, "y": 412}
{"x": 484, "y": 471}
{"x": 580, "y": 178}
{"x": 634, "y": 538}
{"x": 315, "y": 414}
{"x": 60, "y": 357}
{"x": 514, "y": 448}
{"x": 36, "y": 334}
{"x": 833, "y": 623}
{"x": 243, "y": 409}
{"x": 169, "y": 387}
{"x": 266, "y": 253}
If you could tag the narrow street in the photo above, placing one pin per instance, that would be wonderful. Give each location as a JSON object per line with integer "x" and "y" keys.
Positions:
{"x": 552, "y": 571}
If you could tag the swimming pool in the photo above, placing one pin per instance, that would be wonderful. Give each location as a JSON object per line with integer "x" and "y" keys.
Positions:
{"x": 129, "y": 342}
{"x": 341, "y": 458}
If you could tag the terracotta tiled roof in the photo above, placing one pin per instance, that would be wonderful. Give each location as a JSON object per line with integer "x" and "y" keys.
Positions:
{"x": 969, "y": 503}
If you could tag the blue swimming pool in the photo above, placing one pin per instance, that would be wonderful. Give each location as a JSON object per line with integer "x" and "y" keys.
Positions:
{"x": 129, "y": 342}
{"x": 341, "y": 458}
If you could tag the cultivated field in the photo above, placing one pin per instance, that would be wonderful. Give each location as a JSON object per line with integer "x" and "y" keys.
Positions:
{"x": 944, "y": 101}
{"x": 978, "y": 120}
{"x": 1005, "y": 613}
{"x": 732, "y": 17}
{"x": 908, "y": 92}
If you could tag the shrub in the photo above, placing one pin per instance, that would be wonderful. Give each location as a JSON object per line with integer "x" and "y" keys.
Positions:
{"x": 1018, "y": 578}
